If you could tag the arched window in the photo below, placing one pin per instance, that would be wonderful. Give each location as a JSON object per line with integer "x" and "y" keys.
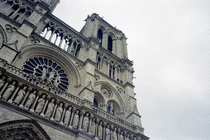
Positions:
{"x": 95, "y": 103}
{"x": 110, "y": 44}
{"x": 100, "y": 36}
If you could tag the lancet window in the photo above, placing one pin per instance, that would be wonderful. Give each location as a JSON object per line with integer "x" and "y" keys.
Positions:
{"x": 48, "y": 71}
{"x": 15, "y": 9}
{"x": 63, "y": 40}
{"x": 109, "y": 67}
{"x": 100, "y": 36}
{"x": 109, "y": 46}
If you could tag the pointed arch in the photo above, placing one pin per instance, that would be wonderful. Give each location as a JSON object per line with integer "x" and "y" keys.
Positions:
{"x": 108, "y": 85}
{"x": 23, "y": 129}
{"x": 3, "y": 37}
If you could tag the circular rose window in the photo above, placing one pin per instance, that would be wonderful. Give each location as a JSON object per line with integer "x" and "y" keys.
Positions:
{"x": 48, "y": 71}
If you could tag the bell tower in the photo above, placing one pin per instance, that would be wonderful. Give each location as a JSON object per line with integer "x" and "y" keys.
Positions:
{"x": 114, "y": 68}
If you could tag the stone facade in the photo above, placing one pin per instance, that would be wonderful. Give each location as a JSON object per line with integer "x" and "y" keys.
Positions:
{"x": 57, "y": 83}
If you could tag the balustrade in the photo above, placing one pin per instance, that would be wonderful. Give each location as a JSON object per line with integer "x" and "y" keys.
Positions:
{"x": 27, "y": 94}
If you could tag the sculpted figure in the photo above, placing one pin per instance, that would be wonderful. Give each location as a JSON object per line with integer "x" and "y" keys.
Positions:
{"x": 44, "y": 73}
{"x": 51, "y": 76}
{"x": 114, "y": 136}
{"x": 59, "y": 113}
{"x": 57, "y": 81}
{"x": 108, "y": 133}
{"x": 2, "y": 81}
{"x": 40, "y": 105}
{"x": 9, "y": 91}
{"x": 85, "y": 123}
{"x": 93, "y": 127}
{"x": 75, "y": 120}
{"x": 30, "y": 100}
{"x": 20, "y": 95}
{"x": 100, "y": 131}
{"x": 67, "y": 116}
{"x": 121, "y": 136}
{"x": 50, "y": 108}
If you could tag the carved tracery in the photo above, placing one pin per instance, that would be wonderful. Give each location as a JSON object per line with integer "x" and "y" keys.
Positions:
{"x": 48, "y": 71}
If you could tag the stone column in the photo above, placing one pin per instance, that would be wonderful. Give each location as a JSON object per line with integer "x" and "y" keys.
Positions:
{"x": 24, "y": 99}
{"x": 104, "y": 130}
{"x": 80, "y": 119}
{"x": 90, "y": 122}
{"x": 111, "y": 131}
{"x": 72, "y": 115}
{"x": 47, "y": 100}
{"x": 11, "y": 99}
{"x": 8, "y": 80}
{"x": 37, "y": 97}
{"x": 118, "y": 136}
{"x": 56, "y": 104}
{"x": 96, "y": 129}
{"x": 64, "y": 110}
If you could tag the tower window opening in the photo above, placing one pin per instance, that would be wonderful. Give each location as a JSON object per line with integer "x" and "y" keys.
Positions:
{"x": 100, "y": 36}
{"x": 95, "y": 103}
{"x": 110, "y": 49}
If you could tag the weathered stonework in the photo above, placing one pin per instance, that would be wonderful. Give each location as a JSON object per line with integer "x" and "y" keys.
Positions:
{"x": 58, "y": 83}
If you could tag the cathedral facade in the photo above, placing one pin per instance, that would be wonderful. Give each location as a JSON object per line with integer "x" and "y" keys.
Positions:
{"x": 60, "y": 84}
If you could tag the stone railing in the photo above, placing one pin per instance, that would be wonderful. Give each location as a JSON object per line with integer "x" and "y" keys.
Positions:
{"x": 32, "y": 94}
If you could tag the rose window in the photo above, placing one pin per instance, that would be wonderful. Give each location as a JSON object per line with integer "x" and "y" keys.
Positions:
{"x": 48, "y": 71}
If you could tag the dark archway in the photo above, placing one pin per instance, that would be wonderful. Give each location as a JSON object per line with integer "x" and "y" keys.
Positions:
{"x": 22, "y": 130}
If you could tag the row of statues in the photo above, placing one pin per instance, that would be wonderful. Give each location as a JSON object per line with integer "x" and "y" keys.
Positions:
{"x": 58, "y": 111}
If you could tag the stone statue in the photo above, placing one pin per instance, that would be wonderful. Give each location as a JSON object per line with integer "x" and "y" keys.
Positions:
{"x": 100, "y": 131}
{"x": 51, "y": 76}
{"x": 2, "y": 81}
{"x": 85, "y": 122}
{"x": 93, "y": 127}
{"x": 121, "y": 136}
{"x": 108, "y": 133}
{"x": 75, "y": 120}
{"x": 40, "y": 105}
{"x": 57, "y": 81}
{"x": 9, "y": 91}
{"x": 67, "y": 116}
{"x": 114, "y": 136}
{"x": 44, "y": 73}
{"x": 127, "y": 137}
{"x": 50, "y": 108}
{"x": 20, "y": 95}
{"x": 30, "y": 100}
{"x": 59, "y": 112}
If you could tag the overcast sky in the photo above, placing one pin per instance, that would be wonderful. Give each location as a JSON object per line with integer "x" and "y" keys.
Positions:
{"x": 169, "y": 42}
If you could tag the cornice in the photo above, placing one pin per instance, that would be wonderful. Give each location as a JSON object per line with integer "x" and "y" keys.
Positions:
{"x": 10, "y": 20}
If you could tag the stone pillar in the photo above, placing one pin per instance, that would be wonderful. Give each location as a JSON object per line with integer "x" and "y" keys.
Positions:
{"x": 96, "y": 129}
{"x": 61, "y": 121}
{"x": 8, "y": 80}
{"x": 47, "y": 100}
{"x": 72, "y": 115}
{"x": 11, "y": 99}
{"x": 56, "y": 104}
{"x": 104, "y": 130}
{"x": 24, "y": 99}
{"x": 37, "y": 97}
{"x": 90, "y": 122}
{"x": 81, "y": 118}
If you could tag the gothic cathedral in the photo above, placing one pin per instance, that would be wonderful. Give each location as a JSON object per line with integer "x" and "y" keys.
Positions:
{"x": 60, "y": 84}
